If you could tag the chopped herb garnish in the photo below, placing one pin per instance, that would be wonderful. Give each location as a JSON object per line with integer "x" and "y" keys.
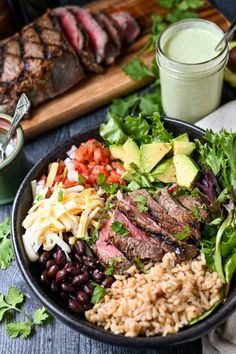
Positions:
{"x": 141, "y": 265}
{"x": 93, "y": 238}
{"x": 112, "y": 262}
{"x": 60, "y": 195}
{"x": 183, "y": 234}
{"x": 118, "y": 227}
{"x": 98, "y": 292}
{"x": 141, "y": 203}
{"x": 110, "y": 188}
{"x": 38, "y": 197}
{"x": 196, "y": 212}
{"x": 101, "y": 179}
{"x": 6, "y": 252}
{"x": 80, "y": 179}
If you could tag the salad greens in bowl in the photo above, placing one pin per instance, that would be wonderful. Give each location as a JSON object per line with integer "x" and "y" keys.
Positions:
{"x": 127, "y": 232}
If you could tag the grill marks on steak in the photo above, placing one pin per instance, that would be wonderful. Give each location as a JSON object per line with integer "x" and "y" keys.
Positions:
{"x": 77, "y": 38}
{"x": 137, "y": 243}
{"x": 98, "y": 38}
{"x": 36, "y": 64}
{"x": 162, "y": 237}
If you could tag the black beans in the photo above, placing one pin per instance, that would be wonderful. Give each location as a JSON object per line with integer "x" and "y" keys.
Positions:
{"x": 108, "y": 281}
{"x": 50, "y": 263}
{"x": 82, "y": 297}
{"x": 80, "y": 279}
{"x": 97, "y": 276}
{"x": 61, "y": 275}
{"x": 80, "y": 247}
{"x": 88, "y": 288}
{"x": 78, "y": 258}
{"x": 44, "y": 257}
{"x": 53, "y": 271}
{"x": 55, "y": 287}
{"x": 44, "y": 278}
{"x": 73, "y": 270}
{"x": 60, "y": 258}
{"x": 76, "y": 306}
{"x": 67, "y": 288}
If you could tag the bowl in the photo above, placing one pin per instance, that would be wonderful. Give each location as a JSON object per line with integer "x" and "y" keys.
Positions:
{"x": 22, "y": 204}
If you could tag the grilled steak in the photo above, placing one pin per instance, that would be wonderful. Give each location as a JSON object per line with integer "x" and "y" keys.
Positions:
{"x": 190, "y": 203}
{"x": 127, "y": 24}
{"x": 77, "y": 37}
{"x": 162, "y": 237}
{"x": 137, "y": 243}
{"x": 164, "y": 219}
{"x": 36, "y": 61}
{"x": 115, "y": 36}
{"x": 175, "y": 209}
{"x": 107, "y": 251}
{"x": 98, "y": 38}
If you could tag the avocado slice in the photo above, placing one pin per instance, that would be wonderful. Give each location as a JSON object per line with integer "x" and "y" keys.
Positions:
{"x": 132, "y": 153}
{"x": 182, "y": 137}
{"x": 165, "y": 172}
{"x": 230, "y": 69}
{"x": 117, "y": 152}
{"x": 183, "y": 147}
{"x": 151, "y": 154}
{"x": 186, "y": 170}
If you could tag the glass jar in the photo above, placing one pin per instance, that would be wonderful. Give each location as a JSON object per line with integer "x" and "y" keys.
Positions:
{"x": 190, "y": 91}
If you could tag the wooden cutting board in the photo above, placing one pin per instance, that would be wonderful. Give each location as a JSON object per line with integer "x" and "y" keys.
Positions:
{"x": 99, "y": 89}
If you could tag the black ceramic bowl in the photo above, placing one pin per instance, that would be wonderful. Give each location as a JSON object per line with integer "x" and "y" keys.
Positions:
{"x": 21, "y": 206}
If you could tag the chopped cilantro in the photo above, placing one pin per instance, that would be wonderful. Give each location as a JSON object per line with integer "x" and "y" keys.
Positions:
{"x": 112, "y": 262}
{"x": 141, "y": 201}
{"x": 141, "y": 265}
{"x": 183, "y": 234}
{"x": 98, "y": 292}
{"x": 118, "y": 227}
{"x": 80, "y": 179}
{"x": 101, "y": 179}
{"x": 60, "y": 195}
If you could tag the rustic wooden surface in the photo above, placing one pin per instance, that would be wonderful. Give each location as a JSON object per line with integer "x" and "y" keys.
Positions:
{"x": 97, "y": 90}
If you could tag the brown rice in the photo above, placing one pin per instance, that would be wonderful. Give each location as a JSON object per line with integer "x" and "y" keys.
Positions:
{"x": 160, "y": 302}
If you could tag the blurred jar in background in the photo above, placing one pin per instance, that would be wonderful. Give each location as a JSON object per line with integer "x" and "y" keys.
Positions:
{"x": 6, "y": 21}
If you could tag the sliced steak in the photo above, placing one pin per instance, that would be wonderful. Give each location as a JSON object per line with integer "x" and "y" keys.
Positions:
{"x": 128, "y": 25}
{"x": 164, "y": 219}
{"x": 77, "y": 38}
{"x": 36, "y": 61}
{"x": 107, "y": 251}
{"x": 137, "y": 243}
{"x": 162, "y": 237}
{"x": 175, "y": 209}
{"x": 190, "y": 203}
{"x": 115, "y": 36}
{"x": 98, "y": 38}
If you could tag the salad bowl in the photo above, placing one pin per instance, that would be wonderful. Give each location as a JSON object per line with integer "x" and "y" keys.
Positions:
{"x": 30, "y": 272}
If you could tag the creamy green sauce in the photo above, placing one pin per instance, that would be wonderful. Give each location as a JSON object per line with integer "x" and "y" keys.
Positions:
{"x": 191, "y": 46}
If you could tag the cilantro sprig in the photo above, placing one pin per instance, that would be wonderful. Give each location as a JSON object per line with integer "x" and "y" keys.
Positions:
{"x": 6, "y": 251}
{"x": 119, "y": 228}
{"x": 141, "y": 201}
{"x": 12, "y": 302}
{"x": 111, "y": 265}
{"x": 98, "y": 292}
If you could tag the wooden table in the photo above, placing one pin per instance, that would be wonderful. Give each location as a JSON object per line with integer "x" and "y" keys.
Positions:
{"x": 57, "y": 338}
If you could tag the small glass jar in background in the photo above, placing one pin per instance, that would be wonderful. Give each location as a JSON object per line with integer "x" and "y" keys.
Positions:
{"x": 190, "y": 91}
{"x": 15, "y": 166}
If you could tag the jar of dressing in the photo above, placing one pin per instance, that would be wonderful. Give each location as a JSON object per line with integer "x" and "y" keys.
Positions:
{"x": 191, "y": 71}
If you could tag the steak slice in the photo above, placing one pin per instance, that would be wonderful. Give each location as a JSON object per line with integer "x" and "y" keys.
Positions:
{"x": 128, "y": 25}
{"x": 107, "y": 251}
{"x": 164, "y": 219}
{"x": 162, "y": 237}
{"x": 137, "y": 243}
{"x": 98, "y": 38}
{"x": 77, "y": 38}
{"x": 175, "y": 209}
{"x": 190, "y": 203}
{"x": 38, "y": 61}
{"x": 115, "y": 36}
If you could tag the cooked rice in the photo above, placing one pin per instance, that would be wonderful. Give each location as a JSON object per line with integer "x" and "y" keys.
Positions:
{"x": 160, "y": 302}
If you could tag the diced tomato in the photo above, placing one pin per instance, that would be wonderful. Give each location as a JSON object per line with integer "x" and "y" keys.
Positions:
{"x": 61, "y": 168}
{"x": 59, "y": 179}
{"x": 69, "y": 183}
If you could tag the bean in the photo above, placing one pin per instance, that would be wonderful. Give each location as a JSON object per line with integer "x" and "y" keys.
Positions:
{"x": 60, "y": 258}
{"x": 54, "y": 287}
{"x": 80, "y": 279}
{"x": 90, "y": 262}
{"x": 67, "y": 288}
{"x": 97, "y": 276}
{"x": 68, "y": 264}
{"x": 76, "y": 306}
{"x": 73, "y": 270}
{"x": 44, "y": 278}
{"x": 53, "y": 271}
{"x": 88, "y": 306}
{"x": 44, "y": 257}
{"x": 78, "y": 258}
{"x": 61, "y": 275}
{"x": 50, "y": 263}
{"x": 108, "y": 281}
{"x": 82, "y": 297}
{"x": 88, "y": 288}
{"x": 63, "y": 295}
{"x": 80, "y": 247}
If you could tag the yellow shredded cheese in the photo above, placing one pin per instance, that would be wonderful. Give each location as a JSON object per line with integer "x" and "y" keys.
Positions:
{"x": 52, "y": 174}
